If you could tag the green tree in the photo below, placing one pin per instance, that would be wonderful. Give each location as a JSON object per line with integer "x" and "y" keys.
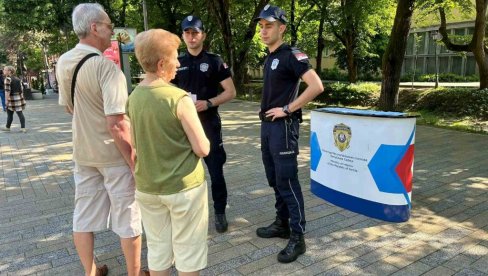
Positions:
{"x": 237, "y": 34}
{"x": 354, "y": 24}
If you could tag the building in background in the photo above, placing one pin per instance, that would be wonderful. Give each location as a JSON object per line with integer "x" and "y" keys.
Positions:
{"x": 422, "y": 50}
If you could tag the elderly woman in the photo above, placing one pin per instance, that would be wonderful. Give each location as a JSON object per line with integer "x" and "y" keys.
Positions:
{"x": 169, "y": 141}
{"x": 14, "y": 97}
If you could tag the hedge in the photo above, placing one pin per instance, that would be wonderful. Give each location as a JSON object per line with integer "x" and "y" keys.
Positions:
{"x": 448, "y": 101}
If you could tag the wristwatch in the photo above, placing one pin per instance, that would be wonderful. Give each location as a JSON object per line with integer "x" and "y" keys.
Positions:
{"x": 286, "y": 110}
{"x": 209, "y": 104}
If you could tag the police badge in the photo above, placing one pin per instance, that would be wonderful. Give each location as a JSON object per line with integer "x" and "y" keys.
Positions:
{"x": 203, "y": 67}
{"x": 342, "y": 136}
{"x": 275, "y": 63}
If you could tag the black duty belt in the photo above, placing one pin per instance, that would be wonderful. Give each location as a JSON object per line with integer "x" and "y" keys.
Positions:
{"x": 264, "y": 118}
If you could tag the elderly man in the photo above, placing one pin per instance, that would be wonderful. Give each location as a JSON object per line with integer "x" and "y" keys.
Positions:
{"x": 94, "y": 91}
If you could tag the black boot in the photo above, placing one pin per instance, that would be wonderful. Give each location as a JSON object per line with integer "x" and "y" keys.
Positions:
{"x": 279, "y": 228}
{"x": 221, "y": 223}
{"x": 296, "y": 247}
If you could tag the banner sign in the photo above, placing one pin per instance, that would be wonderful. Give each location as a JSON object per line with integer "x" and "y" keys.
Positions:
{"x": 362, "y": 160}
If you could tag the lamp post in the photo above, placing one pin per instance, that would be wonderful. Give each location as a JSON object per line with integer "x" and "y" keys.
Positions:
{"x": 144, "y": 14}
{"x": 436, "y": 36}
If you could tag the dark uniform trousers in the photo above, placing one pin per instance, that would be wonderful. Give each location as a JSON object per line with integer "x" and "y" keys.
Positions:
{"x": 279, "y": 147}
{"x": 215, "y": 161}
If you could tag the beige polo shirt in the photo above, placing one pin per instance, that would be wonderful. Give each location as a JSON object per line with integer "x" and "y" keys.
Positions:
{"x": 101, "y": 90}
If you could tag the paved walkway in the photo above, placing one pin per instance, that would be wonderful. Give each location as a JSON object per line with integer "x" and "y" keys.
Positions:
{"x": 446, "y": 235}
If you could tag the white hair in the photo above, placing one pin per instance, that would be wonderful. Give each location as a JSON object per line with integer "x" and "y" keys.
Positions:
{"x": 84, "y": 15}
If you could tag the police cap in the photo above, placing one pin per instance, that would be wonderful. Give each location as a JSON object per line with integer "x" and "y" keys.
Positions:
{"x": 272, "y": 13}
{"x": 192, "y": 22}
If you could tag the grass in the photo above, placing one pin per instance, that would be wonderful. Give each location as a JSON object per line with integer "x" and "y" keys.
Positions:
{"x": 466, "y": 124}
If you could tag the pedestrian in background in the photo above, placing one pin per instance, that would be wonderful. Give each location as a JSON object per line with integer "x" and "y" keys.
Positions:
{"x": 2, "y": 91}
{"x": 102, "y": 148}
{"x": 170, "y": 179}
{"x": 280, "y": 114}
{"x": 14, "y": 97}
{"x": 203, "y": 75}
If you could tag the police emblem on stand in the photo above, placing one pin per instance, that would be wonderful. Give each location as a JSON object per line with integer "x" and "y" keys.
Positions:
{"x": 203, "y": 67}
{"x": 342, "y": 136}
{"x": 275, "y": 63}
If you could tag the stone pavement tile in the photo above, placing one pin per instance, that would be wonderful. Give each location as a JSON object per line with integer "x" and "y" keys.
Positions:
{"x": 481, "y": 264}
{"x": 30, "y": 270}
{"x": 263, "y": 243}
{"x": 378, "y": 254}
{"x": 377, "y": 268}
{"x": 277, "y": 269}
{"x": 459, "y": 262}
{"x": 257, "y": 265}
{"x": 346, "y": 268}
{"x": 231, "y": 272}
{"x": 477, "y": 251}
{"x": 409, "y": 255}
{"x": 337, "y": 249}
{"x": 10, "y": 238}
{"x": 348, "y": 256}
{"x": 440, "y": 271}
{"x": 230, "y": 253}
{"x": 216, "y": 247}
{"x": 67, "y": 261}
{"x": 478, "y": 221}
{"x": 47, "y": 249}
{"x": 417, "y": 268}
{"x": 226, "y": 266}
{"x": 265, "y": 251}
{"x": 470, "y": 272}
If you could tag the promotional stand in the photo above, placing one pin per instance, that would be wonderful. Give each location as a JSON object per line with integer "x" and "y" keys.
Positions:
{"x": 362, "y": 160}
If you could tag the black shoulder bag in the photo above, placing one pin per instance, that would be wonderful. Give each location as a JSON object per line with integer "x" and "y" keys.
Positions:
{"x": 73, "y": 81}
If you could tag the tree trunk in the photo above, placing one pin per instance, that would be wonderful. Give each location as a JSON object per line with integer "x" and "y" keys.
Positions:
{"x": 394, "y": 55}
{"x": 320, "y": 42}
{"x": 293, "y": 24}
{"x": 352, "y": 66}
{"x": 220, "y": 9}
{"x": 476, "y": 45}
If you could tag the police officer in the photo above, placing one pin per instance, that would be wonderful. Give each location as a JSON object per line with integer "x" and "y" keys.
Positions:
{"x": 202, "y": 74}
{"x": 280, "y": 115}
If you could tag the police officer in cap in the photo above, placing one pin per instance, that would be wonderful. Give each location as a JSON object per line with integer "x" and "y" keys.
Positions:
{"x": 280, "y": 114}
{"x": 204, "y": 74}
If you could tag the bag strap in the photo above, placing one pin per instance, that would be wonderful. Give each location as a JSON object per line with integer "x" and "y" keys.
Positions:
{"x": 73, "y": 81}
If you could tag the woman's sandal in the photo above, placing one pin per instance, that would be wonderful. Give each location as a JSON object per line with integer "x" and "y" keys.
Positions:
{"x": 102, "y": 270}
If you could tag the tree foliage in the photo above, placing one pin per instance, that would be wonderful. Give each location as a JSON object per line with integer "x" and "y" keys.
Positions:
{"x": 358, "y": 31}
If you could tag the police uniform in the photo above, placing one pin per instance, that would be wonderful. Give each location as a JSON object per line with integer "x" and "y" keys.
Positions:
{"x": 283, "y": 69}
{"x": 201, "y": 75}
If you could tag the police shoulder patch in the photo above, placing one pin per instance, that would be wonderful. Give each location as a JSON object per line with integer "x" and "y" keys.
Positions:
{"x": 299, "y": 55}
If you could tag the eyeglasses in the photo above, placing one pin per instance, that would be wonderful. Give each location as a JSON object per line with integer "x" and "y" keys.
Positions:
{"x": 111, "y": 25}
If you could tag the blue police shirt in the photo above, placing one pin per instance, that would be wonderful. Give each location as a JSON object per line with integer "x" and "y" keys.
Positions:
{"x": 283, "y": 68}
{"x": 201, "y": 75}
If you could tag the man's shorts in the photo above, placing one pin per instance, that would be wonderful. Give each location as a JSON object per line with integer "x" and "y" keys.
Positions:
{"x": 176, "y": 229}
{"x": 103, "y": 193}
